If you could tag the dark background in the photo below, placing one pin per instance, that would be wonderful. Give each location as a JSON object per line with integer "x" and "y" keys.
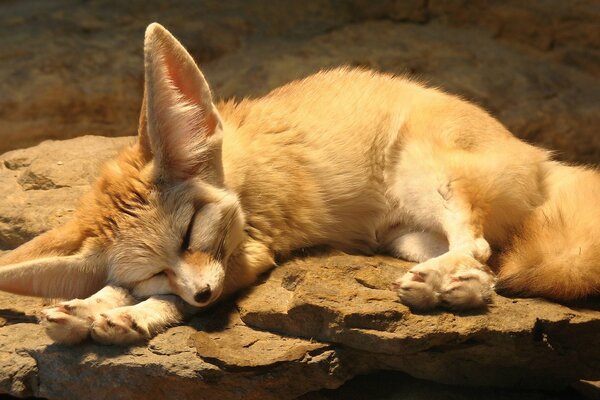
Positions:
{"x": 69, "y": 68}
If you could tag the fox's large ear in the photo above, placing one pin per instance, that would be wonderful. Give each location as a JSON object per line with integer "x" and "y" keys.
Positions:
{"x": 143, "y": 139}
{"x": 51, "y": 265}
{"x": 184, "y": 127}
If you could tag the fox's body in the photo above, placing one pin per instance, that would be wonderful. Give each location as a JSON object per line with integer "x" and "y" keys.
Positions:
{"x": 361, "y": 161}
{"x": 344, "y": 156}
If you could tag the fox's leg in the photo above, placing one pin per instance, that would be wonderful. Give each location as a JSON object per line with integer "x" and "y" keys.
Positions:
{"x": 246, "y": 265}
{"x": 130, "y": 324}
{"x": 70, "y": 321}
{"x": 415, "y": 246}
{"x": 141, "y": 321}
{"x": 458, "y": 278}
{"x": 433, "y": 197}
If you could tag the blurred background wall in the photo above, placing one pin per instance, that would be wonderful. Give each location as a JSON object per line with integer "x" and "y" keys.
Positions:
{"x": 69, "y": 68}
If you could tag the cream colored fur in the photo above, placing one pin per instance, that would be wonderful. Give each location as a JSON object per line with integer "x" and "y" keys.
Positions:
{"x": 361, "y": 161}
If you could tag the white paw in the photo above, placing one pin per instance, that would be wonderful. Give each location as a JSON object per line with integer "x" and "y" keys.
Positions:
{"x": 68, "y": 322}
{"x": 467, "y": 288}
{"x": 453, "y": 281}
{"x": 119, "y": 326}
{"x": 419, "y": 288}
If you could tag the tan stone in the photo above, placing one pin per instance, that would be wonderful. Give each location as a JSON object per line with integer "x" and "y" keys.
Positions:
{"x": 249, "y": 364}
{"x": 41, "y": 186}
{"x": 347, "y": 300}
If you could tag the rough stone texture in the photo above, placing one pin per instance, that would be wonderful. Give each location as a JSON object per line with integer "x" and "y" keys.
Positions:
{"x": 72, "y": 69}
{"x": 541, "y": 102}
{"x": 313, "y": 323}
{"x": 232, "y": 361}
{"x": 41, "y": 186}
{"x": 346, "y": 300}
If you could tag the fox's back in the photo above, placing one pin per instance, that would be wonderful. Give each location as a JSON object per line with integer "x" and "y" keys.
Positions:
{"x": 304, "y": 160}
{"x": 315, "y": 156}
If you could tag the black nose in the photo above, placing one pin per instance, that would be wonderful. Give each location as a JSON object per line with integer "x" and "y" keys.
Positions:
{"x": 203, "y": 295}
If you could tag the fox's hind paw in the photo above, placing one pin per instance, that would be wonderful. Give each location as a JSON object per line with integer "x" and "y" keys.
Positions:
{"x": 467, "y": 289}
{"x": 419, "y": 288}
{"x": 68, "y": 322}
{"x": 451, "y": 281}
{"x": 119, "y": 326}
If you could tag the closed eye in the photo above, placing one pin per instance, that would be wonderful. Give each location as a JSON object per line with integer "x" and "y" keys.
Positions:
{"x": 188, "y": 234}
{"x": 206, "y": 234}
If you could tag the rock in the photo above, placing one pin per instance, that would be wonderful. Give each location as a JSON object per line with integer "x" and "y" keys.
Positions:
{"x": 42, "y": 185}
{"x": 321, "y": 316}
{"x": 346, "y": 300}
{"x": 233, "y": 362}
{"x": 69, "y": 73}
{"x": 251, "y": 349}
{"x": 535, "y": 65}
{"x": 567, "y": 33}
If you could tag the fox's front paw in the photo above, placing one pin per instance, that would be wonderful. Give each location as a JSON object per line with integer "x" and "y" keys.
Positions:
{"x": 68, "y": 322}
{"x": 120, "y": 326}
{"x": 71, "y": 321}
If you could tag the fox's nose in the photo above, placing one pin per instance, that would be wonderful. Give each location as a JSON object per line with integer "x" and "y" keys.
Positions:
{"x": 203, "y": 295}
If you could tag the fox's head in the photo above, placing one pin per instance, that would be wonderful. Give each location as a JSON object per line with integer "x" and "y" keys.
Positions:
{"x": 159, "y": 219}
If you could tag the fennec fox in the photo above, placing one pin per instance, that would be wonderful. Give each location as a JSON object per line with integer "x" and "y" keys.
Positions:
{"x": 361, "y": 161}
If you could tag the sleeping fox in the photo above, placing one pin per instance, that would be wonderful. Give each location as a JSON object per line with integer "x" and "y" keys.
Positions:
{"x": 210, "y": 194}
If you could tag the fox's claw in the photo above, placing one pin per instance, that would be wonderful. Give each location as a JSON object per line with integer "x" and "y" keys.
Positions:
{"x": 71, "y": 321}
{"x": 118, "y": 326}
{"x": 417, "y": 294}
{"x": 68, "y": 322}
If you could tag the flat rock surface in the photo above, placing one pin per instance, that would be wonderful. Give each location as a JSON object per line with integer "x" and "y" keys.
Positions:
{"x": 231, "y": 362}
{"x": 314, "y": 322}
{"x": 347, "y": 300}
{"x": 41, "y": 186}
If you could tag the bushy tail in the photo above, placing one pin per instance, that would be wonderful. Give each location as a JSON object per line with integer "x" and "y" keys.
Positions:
{"x": 556, "y": 252}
